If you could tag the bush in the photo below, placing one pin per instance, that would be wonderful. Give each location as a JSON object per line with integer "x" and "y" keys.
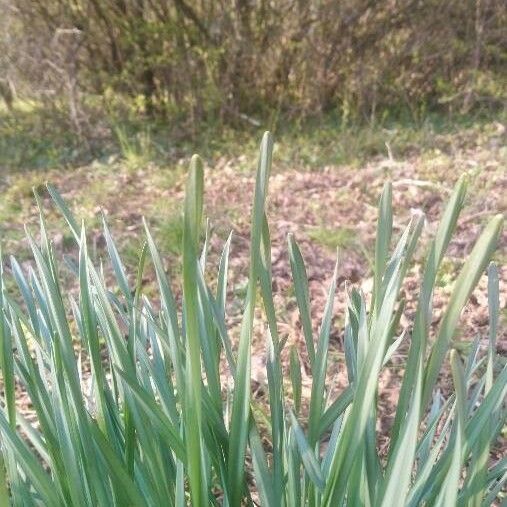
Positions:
{"x": 247, "y": 62}
{"x": 156, "y": 421}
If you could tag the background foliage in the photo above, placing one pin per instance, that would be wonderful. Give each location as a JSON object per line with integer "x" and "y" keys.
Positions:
{"x": 251, "y": 62}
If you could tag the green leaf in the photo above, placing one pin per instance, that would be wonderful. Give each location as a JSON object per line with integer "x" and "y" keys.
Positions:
{"x": 241, "y": 399}
{"x": 155, "y": 414}
{"x": 310, "y": 463}
{"x": 6, "y": 356}
{"x": 192, "y": 401}
{"x": 354, "y": 428}
{"x": 383, "y": 238}
{"x": 32, "y": 467}
{"x": 450, "y": 487}
{"x": 424, "y": 306}
{"x": 401, "y": 460}
{"x": 319, "y": 373}
{"x": 295, "y": 377}
{"x": 301, "y": 289}
{"x": 467, "y": 279}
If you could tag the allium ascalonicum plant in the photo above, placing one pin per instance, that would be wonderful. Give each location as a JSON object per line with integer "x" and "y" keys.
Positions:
{"x": 132, "y": 407}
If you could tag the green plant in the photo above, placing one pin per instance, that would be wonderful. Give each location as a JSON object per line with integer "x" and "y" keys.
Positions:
{"x": 136, "y": 150}
{"x": 341, "y": 237}
{"x": 155, "y": 423}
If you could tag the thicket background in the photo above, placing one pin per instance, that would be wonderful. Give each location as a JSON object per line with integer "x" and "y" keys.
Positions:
{"x": 186, "y": 64}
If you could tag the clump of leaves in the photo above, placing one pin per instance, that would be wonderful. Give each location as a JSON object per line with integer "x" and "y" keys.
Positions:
{"x": 153, "y": 422}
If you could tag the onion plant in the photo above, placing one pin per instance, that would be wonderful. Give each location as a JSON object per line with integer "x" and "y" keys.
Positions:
{"x": 148, "y": 403}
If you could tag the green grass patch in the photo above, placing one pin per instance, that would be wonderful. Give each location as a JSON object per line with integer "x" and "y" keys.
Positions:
{"x": 333, "y": 238}
{"x": 33, "y": 137}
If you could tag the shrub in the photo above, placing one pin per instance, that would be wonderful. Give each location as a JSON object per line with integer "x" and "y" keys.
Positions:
{"x": 250, "y": 62}
{"x": 155, "y": 421}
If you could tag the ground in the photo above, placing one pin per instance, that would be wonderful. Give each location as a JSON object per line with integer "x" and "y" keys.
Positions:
{"x": 326, "y": 204}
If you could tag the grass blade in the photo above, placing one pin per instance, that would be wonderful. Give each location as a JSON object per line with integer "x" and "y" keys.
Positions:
{"x": 467, "y": 279}
{"x": 192, "y": 413}
{"x": 241, "y": 400}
